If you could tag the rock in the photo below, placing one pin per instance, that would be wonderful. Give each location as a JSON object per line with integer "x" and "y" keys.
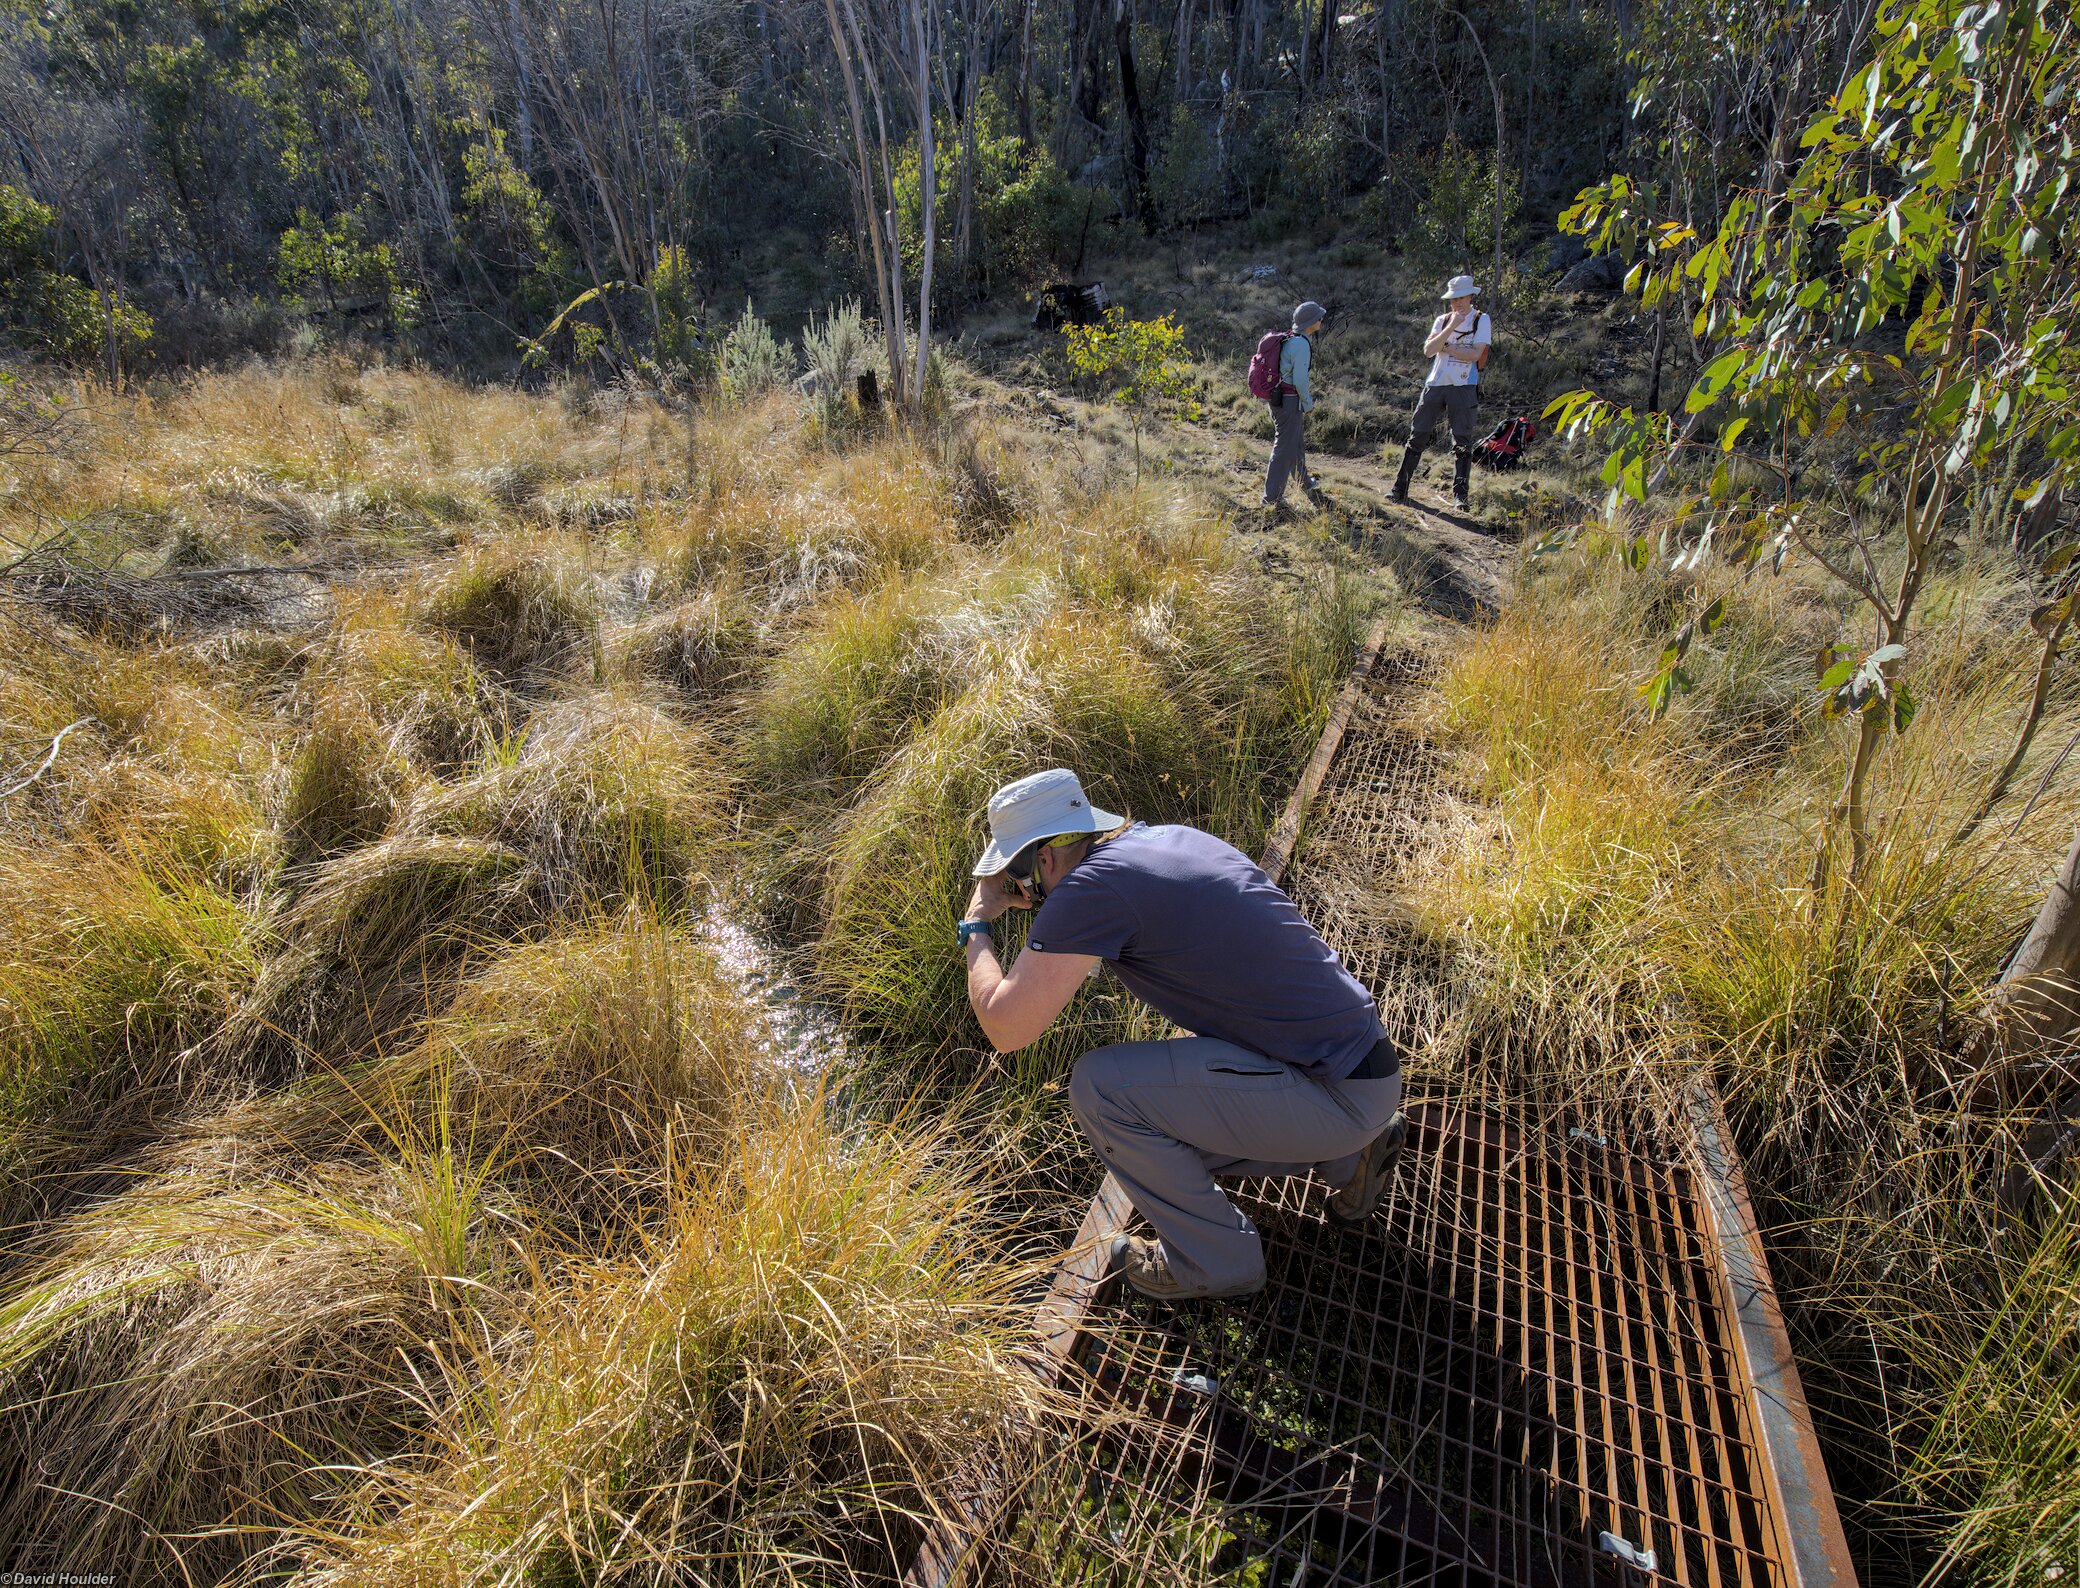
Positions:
{"x": 1558, "y": 254}
{"x": 1597, "y": 273}
{"x": 1257, "y": 273}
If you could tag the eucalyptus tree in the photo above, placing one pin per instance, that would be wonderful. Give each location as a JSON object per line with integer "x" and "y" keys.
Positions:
{"x": 1888, "y": 314}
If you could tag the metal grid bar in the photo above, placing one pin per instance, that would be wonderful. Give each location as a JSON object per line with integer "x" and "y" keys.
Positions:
{"x": 1545, "y": 1334}
{"x": 1511, "y": 1361}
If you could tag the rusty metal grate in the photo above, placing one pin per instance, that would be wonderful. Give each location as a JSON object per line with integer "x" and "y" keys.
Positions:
{"x": 1553, "y": 1358}
{"x": 1530, "y": 1348}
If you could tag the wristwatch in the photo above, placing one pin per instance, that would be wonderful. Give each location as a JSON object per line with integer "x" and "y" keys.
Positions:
{"x": 968, "y": 929}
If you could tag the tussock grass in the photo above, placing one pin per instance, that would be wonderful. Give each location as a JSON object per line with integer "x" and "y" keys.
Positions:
{"x": 116, "y": 963}
{"x": 601, "y": 801}
{"x": 521, "y": 610}
{"x": 769, "y": 1384}
{"x": 793, "y": 523}
{"x": 420, "y": 689}
{"x": 704, "y": 646}
{"x": 182, "y": 1366}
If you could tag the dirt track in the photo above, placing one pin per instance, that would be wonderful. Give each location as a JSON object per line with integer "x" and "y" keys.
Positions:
{"x": 1450, "y": 562}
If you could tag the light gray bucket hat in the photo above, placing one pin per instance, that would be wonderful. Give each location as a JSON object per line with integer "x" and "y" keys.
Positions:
{"x": 1461, "y": 287}
{"x": 1045, "y": 805}
{"x": 1307, "y": 313}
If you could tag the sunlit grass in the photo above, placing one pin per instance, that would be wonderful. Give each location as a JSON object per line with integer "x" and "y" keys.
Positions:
{"x": 395, "y": 1186}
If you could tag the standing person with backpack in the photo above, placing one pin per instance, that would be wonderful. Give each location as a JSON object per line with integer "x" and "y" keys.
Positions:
{"x": 1279, "y": 374}
{"x": 1458, "y": 346}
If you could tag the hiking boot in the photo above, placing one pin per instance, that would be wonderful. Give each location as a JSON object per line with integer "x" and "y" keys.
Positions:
{"x": 1352, "y": 1204}
{"x": 1315, "y": 494}
{"x": 1409, "y": 455}
{"x": 1462, "y": 476}
{"x": 1146, "y": 1266}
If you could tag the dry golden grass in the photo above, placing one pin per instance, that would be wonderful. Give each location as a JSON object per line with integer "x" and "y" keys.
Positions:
{"x": 769, "y": 1384}
{"x": 394, "y": 1186}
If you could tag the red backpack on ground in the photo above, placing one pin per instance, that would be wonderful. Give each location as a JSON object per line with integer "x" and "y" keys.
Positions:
{"x": 1504, "y": 448}
{"x": 1263, "y": 366}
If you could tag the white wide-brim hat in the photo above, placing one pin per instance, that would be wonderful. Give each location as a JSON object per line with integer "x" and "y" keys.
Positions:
{"x": 1460, "y": 287}
{"x": 1045, "y": 805}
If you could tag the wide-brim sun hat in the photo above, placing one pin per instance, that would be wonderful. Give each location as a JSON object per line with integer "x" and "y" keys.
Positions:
{"x": 1044, "y": 805}
{"x": 1461, "y": 287}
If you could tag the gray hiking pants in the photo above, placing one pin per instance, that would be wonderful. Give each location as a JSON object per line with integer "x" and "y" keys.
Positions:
{"x": 1167, "y": 1117}
{"x": 1288, "y": 448}
{"x": 1458, "y": 403}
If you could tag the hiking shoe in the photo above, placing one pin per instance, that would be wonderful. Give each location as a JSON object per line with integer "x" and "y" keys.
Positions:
{"x": 1146, "y": 1266}
{"x": 1317, "y": 496}
{"x": 1351, "y": 1205}
{"x": 1400, "y": 491}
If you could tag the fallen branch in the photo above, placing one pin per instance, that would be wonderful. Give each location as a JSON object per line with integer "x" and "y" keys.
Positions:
{"x": 50, "y": 759}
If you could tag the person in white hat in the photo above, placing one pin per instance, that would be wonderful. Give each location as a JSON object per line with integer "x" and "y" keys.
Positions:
{"x": 1287, "y": 1071}
{"x": 1458, "y": 346}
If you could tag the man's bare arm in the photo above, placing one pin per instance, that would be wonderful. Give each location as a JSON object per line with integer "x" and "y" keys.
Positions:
{"x": 1016, "y": 1008}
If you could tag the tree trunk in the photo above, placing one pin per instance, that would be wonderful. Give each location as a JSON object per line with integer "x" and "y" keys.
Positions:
{"x": 2036, "y": 1010}
{"x": 1660, "y": 343}
{"x": 1025, "y": 76}
{"x": 1137, "y": 120}
{"x": 1306, "y": 51}
{"x": 929, "y": 174}
{"x": 2038, "y": 999}
{"x": 1087, "y": 91}
{"x": 889, "y": 290}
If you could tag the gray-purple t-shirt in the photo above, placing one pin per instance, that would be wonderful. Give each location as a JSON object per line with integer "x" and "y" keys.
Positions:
{"x": 1201, "y": 935}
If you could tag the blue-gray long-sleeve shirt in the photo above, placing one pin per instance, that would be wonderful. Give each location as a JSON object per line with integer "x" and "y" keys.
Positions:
{"x": 1295, "y": 360}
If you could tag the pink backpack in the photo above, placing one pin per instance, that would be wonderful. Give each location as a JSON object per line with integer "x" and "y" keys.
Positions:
{"x": 1263, "y": 366}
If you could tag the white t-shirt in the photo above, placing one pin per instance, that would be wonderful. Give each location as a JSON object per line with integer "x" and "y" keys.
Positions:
{"x": 1446, "y": 369}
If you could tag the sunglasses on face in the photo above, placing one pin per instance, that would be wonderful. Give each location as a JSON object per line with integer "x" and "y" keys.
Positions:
{"x": 1020, "y": 867}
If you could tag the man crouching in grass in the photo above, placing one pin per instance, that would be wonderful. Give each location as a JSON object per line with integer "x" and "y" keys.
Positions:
{"x": 1288, "y": 1069}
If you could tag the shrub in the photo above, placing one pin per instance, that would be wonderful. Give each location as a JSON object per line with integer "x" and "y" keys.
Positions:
{"x": 1457, "y": 218}
{"x": 334, "y": 259}
{"x": 41, "y": 305}
{"x": 750, "y": 362}
{"x": 837, "y": 352}
{"x": 673, "y": 288}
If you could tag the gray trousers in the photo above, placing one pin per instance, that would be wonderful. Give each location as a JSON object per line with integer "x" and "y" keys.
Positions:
{"x": 1458, "y": 403}
{"x": 1167, "y": 1117}
{"x": 1288, "y": 448}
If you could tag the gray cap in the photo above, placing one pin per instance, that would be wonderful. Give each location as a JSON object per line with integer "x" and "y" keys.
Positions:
{"x": 1307, "y": 314}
